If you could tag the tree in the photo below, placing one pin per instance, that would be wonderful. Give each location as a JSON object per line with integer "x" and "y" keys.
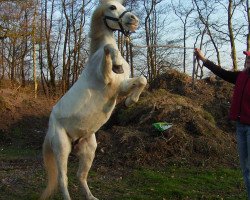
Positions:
{"x": 232, "y": 30}
{"x": 230, "y": 11}
{"x": 34, "y": 22}
{"x": 248, "y": 20}
{"x": 16, "y": 33}
{"x": 74, "y": 14}
{"x": 205, "y": 10}
{"x": 48, "y": 31}
{"x": 183, "y": 14}
{"x": 151, "y": 33}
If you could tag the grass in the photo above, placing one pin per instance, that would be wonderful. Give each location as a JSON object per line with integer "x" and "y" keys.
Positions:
{"x": 188, "y": 183}
{"x": 10, "y": 153}
{"x": 22, "y": 178}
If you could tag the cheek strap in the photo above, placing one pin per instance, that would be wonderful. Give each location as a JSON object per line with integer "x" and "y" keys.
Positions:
{"x": 119, "y": 21}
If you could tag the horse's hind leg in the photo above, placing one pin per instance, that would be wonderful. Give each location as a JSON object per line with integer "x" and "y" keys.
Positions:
{"x": 86, "y": 153}
{"x": 61, "y": 147}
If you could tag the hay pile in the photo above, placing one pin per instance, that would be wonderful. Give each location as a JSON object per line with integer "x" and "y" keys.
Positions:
{"x": 201, "y": 132}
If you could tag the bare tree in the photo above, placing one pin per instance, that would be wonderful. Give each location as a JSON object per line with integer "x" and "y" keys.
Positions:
{"x": 233, "y": 27}
{"x": 248, "y": 20}
{"x": 74, "y": 14}
{"x": 151, "y": 33}
{"x": 183, "y": 14}
{"x": 16, "y": 37}
{"x": 34, "y": 22}
{"x": 48, "y": 32}
{"x": 231, "y": 8}
{"x": 204, "y": 12}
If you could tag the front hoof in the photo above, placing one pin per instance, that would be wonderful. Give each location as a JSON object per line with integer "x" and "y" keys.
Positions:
{"x": 92, "y": 198}
{"x": 142, "y": 80}
{"x": 129, "y": 101}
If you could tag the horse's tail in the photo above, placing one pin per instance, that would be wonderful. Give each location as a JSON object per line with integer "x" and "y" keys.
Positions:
{"x": 50, "y": 166}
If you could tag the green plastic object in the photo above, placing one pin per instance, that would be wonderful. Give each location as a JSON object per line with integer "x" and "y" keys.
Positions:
{"x": 162, "y": 126}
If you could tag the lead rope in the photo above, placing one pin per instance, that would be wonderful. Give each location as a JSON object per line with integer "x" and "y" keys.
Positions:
{"x": 194, "y": 67}
{"x": 196, "y": 64}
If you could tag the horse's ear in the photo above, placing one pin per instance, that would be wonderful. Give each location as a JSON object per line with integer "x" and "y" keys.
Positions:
{"x": 120, "y": 1}
{"x": 104, "y": 1}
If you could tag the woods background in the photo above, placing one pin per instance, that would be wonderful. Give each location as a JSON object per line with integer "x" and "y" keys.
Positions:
{"x": 46, "y": 41}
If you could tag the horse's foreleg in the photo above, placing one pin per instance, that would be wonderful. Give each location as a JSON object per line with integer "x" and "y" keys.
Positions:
{"x": 61, "y": 147}
{"x": 112, "y": 61}
{"x": 86, "y": 154}
{"x": 133, "y": 87}
{"x": 107, "y": 65}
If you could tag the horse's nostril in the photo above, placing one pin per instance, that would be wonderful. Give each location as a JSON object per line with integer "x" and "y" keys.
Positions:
{"x": 132, "y": 17}
{"x": 117, "y": 69}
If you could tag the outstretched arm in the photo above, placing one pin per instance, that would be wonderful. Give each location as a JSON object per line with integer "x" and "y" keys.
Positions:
{"x": 228, "y": 76}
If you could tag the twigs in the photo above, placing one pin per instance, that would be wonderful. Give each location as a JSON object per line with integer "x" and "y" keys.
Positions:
{"x": 161, "y": 46}
{"x": 145, "y": 118}
{"x": 195, "y": 62}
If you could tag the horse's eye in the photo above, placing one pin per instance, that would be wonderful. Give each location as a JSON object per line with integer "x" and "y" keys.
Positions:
{"x": 112, "y": 7}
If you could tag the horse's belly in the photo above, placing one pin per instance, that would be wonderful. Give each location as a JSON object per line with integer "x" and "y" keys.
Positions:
{"x": 83, "y": 117}
{"x": 84, "y": 126}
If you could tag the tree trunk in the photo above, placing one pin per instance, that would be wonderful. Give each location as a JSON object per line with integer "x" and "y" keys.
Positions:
{"x": 149, "y": 48}
{"x": 48, "y": 47}
{"x": 13, "y": 63}
{"x": 248, "y": 19}
{"x": 131, "y": 60}
{"x": 23, "y": 81}
{"x": 231, "y": 35}
{"x": 34, "y": 50}
{"x": 2, "y": 62}
{"x": 64, "y": 76}
{"x": 206, "y": 24}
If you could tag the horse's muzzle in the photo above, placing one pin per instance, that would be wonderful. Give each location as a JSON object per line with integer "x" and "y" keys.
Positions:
{"x": 117, "y": 69}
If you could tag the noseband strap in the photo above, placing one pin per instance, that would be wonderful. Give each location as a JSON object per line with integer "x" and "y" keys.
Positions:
{"x": 119, "y": 21}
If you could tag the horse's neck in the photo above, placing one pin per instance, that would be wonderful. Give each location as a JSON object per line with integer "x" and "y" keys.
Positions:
{"x": 101, "y": 41}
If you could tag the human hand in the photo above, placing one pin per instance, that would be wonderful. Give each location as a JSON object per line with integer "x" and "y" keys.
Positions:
{"x": 199, "y": 55}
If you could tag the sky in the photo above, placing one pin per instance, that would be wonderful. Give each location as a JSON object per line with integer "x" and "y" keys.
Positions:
{"x": 172, "y": 30}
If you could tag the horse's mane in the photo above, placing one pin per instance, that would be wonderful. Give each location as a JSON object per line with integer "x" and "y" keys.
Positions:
{"x": 96, "y": 22}
{"x": 97, "y": 28}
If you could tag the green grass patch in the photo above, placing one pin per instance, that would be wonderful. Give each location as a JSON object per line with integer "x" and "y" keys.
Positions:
{"x": 187, "y": 183}
{"x": 11, "y": 153}
{"x": 26, "y": 182}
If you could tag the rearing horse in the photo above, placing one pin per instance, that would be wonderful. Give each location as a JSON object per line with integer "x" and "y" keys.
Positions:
{"x": 90, "y": 101}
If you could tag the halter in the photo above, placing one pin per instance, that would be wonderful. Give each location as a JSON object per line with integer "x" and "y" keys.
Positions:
{"x": 118, "y": 20}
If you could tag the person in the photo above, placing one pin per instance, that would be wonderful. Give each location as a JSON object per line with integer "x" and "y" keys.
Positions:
{"x": 239, "y": 109}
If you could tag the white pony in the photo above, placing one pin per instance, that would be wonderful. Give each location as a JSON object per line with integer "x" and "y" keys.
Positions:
{"x": 90, "y": 101}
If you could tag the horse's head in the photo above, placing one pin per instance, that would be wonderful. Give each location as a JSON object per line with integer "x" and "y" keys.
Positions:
{"x": 116, "y": 17}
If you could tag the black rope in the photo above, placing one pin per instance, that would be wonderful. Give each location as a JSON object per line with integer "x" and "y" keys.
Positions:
{"x": 118, "y": 20}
